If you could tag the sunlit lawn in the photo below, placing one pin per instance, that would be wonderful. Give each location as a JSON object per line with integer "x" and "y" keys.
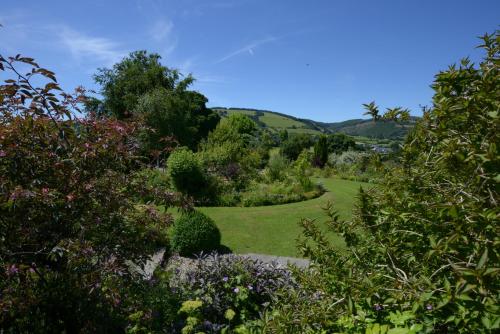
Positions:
{"x": 274, "y": 229}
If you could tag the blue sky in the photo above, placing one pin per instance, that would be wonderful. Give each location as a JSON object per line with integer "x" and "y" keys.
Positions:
{"x": 313, "y": 59}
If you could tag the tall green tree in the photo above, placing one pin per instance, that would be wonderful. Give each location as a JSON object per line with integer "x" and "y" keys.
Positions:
{"x": 294, "y": 145}
{"x": 321, "y": 151}
{"x": 339, "y": 142}
{"x": 134, "y": 76}
{"x": 139, "y": 87}
{"x": 180, "y": 114}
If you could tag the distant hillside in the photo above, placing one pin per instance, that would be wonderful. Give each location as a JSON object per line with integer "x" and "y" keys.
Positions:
{"x": 355, "y": 127}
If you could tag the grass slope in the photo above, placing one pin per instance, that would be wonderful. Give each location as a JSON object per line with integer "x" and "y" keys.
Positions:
{"x": 355, "y": 127}
{"x": 274, "y": 229}
{"x": 275, "y": 121}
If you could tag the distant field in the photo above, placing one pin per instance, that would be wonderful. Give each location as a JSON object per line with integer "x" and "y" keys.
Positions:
{"x": 277, "y": 121}
{"x": 273, "y": 121}
{"x": 354, "y": 127}
{"x": 274, "y": 229}
{"x": 239, "y": 111}
{"x": 302, "y": 130}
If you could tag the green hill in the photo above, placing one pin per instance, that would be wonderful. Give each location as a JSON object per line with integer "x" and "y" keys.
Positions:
{"x": 275, "y": 122}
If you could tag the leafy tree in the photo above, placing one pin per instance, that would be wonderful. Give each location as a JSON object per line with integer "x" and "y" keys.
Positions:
{"x": 141, "y": 88}
{"x": 320, "y": 156}
{"x": 235, "y": 134}
{"x": 292, "y": 147}
{"x": 339, "y": 142}
{"x": 283, "y": 135}
{"x": 134, "y": 76}
{"x": 236, "y": 127}
{"x": 181, "y": 115}
{"x": 231, "y": 150}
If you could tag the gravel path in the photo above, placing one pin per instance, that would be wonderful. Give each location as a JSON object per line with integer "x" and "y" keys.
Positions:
{"x": 186, "y": 263}
{"x": 280, "y": 260}
{"x": 150, "y": 266}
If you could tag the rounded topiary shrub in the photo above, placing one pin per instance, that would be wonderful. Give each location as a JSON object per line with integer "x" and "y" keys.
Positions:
{"x": 185, "y": 172}
{"x": 193, "y": 233}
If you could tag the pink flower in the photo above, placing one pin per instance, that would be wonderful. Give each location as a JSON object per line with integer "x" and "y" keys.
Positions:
{"x": 2, "y": 153}
{"x": 12, "y": 270}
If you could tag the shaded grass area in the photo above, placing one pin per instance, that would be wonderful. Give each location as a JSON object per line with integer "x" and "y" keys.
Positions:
{"x": 274, "y": 229}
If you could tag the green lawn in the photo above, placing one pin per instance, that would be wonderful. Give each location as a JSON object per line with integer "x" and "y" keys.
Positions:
{"x": 273, "y": 229}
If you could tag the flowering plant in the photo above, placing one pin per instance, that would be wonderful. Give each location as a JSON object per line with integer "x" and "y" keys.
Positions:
{"x": 233, "y": 289}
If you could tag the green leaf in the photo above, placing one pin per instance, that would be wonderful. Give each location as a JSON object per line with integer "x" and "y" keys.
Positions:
{"x": 483, "y": 259}
{"x": 398, "y": 331}
{"x": 486, "y": 322}
{"x": 490, "y": 271}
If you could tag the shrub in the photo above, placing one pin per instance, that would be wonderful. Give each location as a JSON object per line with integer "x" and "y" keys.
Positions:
{"x": 339, "y": 142}
{"x": 193, "y": 233}
{"x": 293, "y": 146}
{"x": 259, "y": 194}
{"x": 276, "y": 167}
{"x": 183, "y": 168}
{"x": 320, "y": 155}
{"x": 232, "y": 289}
{"x": 301, "y": 170}
{"x": 67, "y": 227}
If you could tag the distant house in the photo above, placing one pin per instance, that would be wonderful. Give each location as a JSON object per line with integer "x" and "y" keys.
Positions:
{"x": 380, "y": 149}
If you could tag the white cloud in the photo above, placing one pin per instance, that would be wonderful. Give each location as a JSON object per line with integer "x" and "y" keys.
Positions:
{"x": 247, "y": 48}
{"x": 211, "y": 79}
{"x": 81, "y": 46}
{"x": 161, "y": 30}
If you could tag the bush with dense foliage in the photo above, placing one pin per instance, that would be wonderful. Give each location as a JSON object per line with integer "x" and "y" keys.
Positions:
{"x": 186, "y": 173}
{"x": 339, "y": 142}
{"x": 279, "y": 183}
{"x": 231, "y": 291}
{"x": 194, "y": 232}
{"x": 180, "y": 114}
{"x": 67, "y": 227}
{"x": 276, "y": 167}
{"x": 294, "y": 145}
{"x": 361, "y": 166}
{"x": 422, "y": 255}
{"x": 230, "y": 153}
{"x": 278, "y": 192}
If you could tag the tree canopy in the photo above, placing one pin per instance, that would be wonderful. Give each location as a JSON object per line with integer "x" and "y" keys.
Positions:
{"x": 139, "y": 87}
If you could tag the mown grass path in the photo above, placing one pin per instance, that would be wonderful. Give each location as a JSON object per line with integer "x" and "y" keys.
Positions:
{"x": 274, "y": 229}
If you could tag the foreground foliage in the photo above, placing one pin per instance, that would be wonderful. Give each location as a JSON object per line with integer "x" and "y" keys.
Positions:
{"x": 423, "y": 254}
{"x": 229, "y": 291}
{"x": 67, "y": 227}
